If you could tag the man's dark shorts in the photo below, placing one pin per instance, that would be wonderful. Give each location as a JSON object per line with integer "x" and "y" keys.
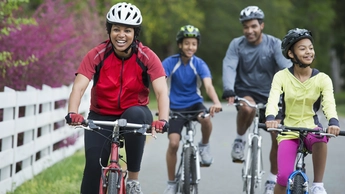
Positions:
{"x": 259, "y": 99}
{"x": 176, "y": 125}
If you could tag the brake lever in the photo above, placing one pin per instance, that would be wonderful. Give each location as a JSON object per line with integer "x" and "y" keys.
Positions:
{"x": 93, "y": 126}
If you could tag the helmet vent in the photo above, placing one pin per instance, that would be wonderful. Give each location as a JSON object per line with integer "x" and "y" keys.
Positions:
{"x": 124, "y": 13}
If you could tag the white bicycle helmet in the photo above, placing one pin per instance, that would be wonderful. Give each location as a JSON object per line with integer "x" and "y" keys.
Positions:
{"x": 124, "y": 13}
{"x": 251, "y": 12}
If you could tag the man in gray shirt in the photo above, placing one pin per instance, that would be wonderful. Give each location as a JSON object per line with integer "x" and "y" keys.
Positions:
{"x": 248, "y": 69}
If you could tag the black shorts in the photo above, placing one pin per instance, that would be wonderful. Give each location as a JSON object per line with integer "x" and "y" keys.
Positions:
{"x": 258, "y": 98}
{"x": 176, "y": 125}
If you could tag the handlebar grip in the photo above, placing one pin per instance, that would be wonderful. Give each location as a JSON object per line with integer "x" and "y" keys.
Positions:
{"x": 262, "y": 125}
{"x": 342, "y": 133}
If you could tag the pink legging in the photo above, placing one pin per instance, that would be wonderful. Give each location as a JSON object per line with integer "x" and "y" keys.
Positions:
{"x": 287, "y": 150}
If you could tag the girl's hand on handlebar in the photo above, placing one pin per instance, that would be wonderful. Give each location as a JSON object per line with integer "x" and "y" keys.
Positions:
{"x": 159, "y": 126}
{"x": 272, "y": 124}
{"x": 333, "y": 129}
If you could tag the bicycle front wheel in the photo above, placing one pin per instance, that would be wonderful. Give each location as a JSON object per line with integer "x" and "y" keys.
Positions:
{"x": 113, "y": 181}
{"x": 297, "y": 187}
{"x": 254, "y": 165}
{"x": 190, "y": 185}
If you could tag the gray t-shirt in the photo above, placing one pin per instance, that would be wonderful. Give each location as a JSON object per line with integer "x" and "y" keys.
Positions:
{"x": 248, "y": 67}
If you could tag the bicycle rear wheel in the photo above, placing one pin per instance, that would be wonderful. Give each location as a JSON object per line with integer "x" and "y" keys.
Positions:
{"x": 254, "y": 166}
{"x": 297, "y": 187}
{"x": 113, "y": 181}
{"x": 190, "y": 185}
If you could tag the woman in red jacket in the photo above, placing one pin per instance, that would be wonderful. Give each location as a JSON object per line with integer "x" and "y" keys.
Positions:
{"x": 121, "y": 68}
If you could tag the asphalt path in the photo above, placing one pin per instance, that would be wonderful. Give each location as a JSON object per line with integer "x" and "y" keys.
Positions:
{"x": 224, "y": 176}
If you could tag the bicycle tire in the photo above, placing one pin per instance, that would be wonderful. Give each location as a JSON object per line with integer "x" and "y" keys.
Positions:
{"x": 113, "y": 179}
{"x": 254, "y": 165}
{"x": 189, "y": 183}
{"x": 297, "y": 187}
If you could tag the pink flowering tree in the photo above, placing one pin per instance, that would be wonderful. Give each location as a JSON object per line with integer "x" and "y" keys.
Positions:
{"x": 62, "y": 36}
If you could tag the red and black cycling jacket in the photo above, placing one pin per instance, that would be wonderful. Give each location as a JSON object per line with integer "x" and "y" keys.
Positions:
{"x": 120, "y": 83}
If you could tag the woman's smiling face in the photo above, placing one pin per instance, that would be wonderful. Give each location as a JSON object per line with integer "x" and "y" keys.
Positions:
{"x": 121, "y": 36}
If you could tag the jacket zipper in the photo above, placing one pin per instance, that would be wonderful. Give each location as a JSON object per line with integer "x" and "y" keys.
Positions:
{"x": 119, "y": 97}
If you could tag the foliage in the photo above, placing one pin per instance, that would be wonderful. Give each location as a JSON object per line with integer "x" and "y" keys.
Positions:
{"x": 217, "y": 20}
{"x": 162, "y": 21}
{"x": 338, "y": 29}
{"x": 58, "y": 42}
{"x": 8, "y": 24}
{"x": 316, "y": 16}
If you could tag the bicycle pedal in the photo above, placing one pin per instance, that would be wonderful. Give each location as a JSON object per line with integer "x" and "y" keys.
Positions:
{"x": 238, "y": 161}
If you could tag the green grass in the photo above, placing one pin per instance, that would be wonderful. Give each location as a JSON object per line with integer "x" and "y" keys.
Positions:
{"x": 63, "y": 177}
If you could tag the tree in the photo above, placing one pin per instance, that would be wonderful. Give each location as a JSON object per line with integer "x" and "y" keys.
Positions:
{"x": 8, "y": 24}
{"x": 338, "y": 29}
{"x": 162, "y": 21}
{"x": 59, "y": 41}
{"x": 222, "y": 21}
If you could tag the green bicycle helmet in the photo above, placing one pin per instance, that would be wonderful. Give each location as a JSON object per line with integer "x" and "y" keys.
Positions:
{"x": 293, "y": 36}
{"x": 188, "y": 31}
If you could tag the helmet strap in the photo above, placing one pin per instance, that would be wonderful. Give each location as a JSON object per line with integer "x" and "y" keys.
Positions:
{"x": 298, "y": 62}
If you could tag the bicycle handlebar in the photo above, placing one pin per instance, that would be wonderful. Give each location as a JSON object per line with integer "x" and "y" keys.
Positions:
{"x": 141, "y": 129}
{"x": 237, "y": 103}
{"x": 189, "y": 115}
{"x": 283, "y": 128}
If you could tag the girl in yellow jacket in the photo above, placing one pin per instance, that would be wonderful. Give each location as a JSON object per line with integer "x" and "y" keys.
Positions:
{"x": 304, "y": 90}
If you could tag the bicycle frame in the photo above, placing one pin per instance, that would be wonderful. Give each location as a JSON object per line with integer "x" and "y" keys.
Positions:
{"x": 255, "y": 133}
{"x": 254, "y": 147}
{"x": 189, "y": 142}
{"x": 189, "y": 161}
{"x": 113, "y": 170}
{"x": 113, "y": 166}
{"x": 298, "y": 179}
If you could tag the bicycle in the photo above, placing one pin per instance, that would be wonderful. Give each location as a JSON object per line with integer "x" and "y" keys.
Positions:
{"x": 113, "y": 177}
{"x": 298, "y": 182}
{"x": 252, "y": 170}
{"x": 187, "y": 176}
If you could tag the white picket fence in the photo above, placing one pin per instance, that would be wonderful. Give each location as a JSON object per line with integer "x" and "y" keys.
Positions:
{"x": 33, "y": 132}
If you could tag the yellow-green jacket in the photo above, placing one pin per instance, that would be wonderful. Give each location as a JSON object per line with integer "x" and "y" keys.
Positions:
{"x": 301, "y": 101}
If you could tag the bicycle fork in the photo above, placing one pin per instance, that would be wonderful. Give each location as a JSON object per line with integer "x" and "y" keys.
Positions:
{"x": 196, "y": 159}
{"x": 259, "y": 172}
{"x": 300, "y": 171}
